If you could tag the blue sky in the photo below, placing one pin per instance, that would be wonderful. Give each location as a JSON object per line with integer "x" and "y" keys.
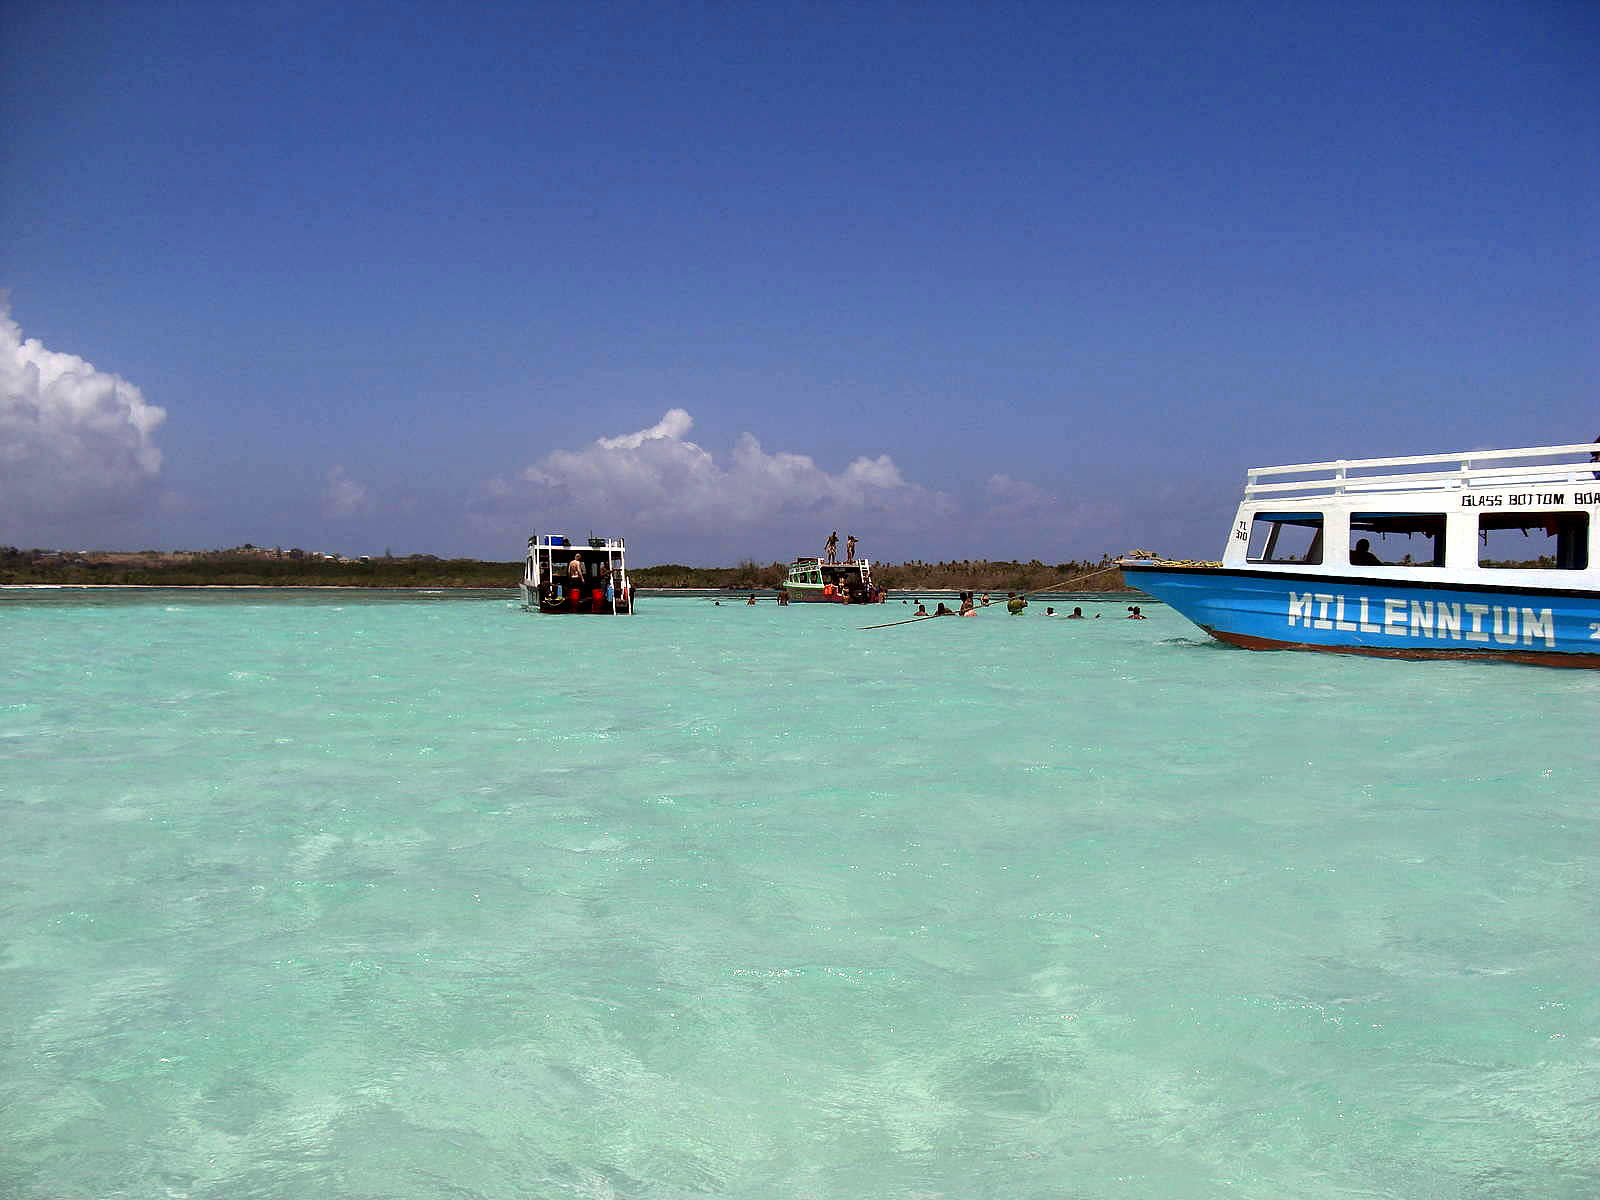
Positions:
{"x": 999, "y": 280}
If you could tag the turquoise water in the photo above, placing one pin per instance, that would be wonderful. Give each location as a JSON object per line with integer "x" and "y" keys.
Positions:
{"x": 422, "y": 896}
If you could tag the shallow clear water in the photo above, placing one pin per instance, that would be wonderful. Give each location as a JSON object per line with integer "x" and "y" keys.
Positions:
{"x": 422, "y": 896}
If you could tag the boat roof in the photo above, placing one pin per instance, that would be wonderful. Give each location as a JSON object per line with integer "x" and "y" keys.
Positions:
{"x": 1453, "y": 471}
{"x": 559, "y": 541}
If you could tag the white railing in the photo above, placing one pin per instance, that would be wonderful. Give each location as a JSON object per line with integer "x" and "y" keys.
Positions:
{"x": 544, "y": 542}
{"x": 1466, "y": 469}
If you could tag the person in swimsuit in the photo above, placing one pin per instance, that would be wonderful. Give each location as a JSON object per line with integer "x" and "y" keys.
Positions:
{"x": 850, "y": 548}
{"x": 833, "y": 546}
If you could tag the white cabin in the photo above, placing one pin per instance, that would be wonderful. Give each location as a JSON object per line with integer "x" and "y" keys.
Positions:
{"x": 1516, "y": 518}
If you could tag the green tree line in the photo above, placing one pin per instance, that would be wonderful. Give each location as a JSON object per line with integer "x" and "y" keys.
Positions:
{"x": 225, "y": 569}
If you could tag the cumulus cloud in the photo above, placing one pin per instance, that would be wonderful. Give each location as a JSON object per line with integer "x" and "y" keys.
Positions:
{"x": 345, "y": 497}
{"x": 675, "y": 424}
{"x": 73, "y": 439}
{"x": 656, "y": 478}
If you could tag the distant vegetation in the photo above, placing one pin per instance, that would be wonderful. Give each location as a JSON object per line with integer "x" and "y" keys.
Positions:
{"x": 955, "y": 575}
{"x": 254, "y": 566}
{"x": 248, "y": 566}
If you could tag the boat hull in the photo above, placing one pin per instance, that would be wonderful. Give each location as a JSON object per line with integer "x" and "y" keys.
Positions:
{"x": 800, "y": 593}
{"x": 1389, "y": 618}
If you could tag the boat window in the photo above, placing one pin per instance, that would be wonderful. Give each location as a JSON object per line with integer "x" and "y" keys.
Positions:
{"x": 1550, "y": 541}
{"x": 1286, "y": 538}
{"x": 1397, "y": 539}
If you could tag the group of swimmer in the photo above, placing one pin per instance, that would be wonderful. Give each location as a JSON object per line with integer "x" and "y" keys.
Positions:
{"x": 970, "y": 604}
{"x": 1015, "y": 604}
{"x": 1077, "y": 614}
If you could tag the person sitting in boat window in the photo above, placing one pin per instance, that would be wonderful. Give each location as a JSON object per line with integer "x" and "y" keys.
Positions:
{"x": 833, "y": 546}
{"x": 850, "y": 548}
{"x": 1594, "y": 456}
{"x": 1362, "y": 555}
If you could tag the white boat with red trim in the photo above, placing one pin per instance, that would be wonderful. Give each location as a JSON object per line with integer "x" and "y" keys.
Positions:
{"x": 561, "y": 577}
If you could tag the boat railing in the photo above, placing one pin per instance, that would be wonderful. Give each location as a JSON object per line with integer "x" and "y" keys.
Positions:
{"x": 546, "y": 542}
{"x": 1456, "y": 471}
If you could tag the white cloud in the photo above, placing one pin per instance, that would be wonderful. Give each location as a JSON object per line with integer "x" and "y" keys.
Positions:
{"x": 345, "y": 497}
{"x": 73, "y": 439}
{"x": 675, "y": 424}
{"x": 655, "y": 479}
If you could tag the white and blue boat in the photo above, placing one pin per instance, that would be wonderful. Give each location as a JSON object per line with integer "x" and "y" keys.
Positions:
{"x": 1487, "y": 554}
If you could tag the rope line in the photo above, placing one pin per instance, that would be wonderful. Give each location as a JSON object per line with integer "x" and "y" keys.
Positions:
{"x": 1049, "y": 587}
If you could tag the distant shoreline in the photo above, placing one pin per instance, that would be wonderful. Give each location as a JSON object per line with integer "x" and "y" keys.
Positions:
{"x": 252, "y": 568}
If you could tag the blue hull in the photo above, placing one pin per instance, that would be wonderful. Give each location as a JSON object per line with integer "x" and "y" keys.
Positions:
{"x": 1387, "y": 617}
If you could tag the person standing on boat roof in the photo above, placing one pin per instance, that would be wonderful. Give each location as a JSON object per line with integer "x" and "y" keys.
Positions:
{"x": 850, "y": 548}
{"x": 833, "y": 546}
